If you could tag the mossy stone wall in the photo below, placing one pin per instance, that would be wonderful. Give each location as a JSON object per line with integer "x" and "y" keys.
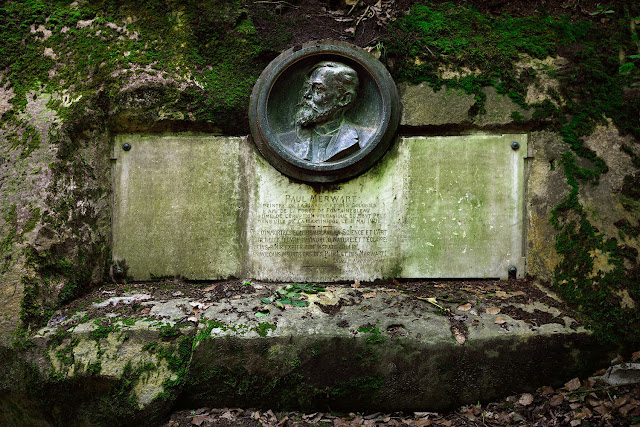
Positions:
{"x": 73, "y": 74}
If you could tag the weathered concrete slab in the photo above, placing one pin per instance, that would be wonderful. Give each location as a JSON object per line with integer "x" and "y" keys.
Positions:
{"x": 343, "y": 348}
{"x": 207, "y": 207}
{"x": 176, "y": 206}
{"x": 464, "y": 206}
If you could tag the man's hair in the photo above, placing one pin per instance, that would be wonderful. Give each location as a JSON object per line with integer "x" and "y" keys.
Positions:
{"x": 345, "y": 77}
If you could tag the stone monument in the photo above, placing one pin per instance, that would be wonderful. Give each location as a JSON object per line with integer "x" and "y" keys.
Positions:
{"x": 331, "y": 192}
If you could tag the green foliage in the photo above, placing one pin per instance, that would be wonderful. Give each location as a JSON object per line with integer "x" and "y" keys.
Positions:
{"x": 289, "y": 295}
{"x": 374, "y": 335}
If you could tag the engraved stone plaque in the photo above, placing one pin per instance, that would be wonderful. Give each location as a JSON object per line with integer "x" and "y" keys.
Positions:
{"x": 325, "y": 112}
{"x": 204, "y": 207}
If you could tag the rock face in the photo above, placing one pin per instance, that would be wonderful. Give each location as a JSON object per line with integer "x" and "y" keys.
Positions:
{"x": 130, "y": 356}
{"x": 74, "y": 77}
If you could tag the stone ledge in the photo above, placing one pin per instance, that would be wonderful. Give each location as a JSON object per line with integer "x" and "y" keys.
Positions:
{"x": 422, "y": 106}
{"x": 349, "y": 348}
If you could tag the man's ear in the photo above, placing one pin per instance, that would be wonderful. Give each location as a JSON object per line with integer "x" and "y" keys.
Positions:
{"x": 345, "y": 99}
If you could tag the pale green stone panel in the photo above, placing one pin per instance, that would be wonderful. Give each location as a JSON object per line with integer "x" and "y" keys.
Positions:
{"x": 299, "y": 232}
{"x": 177, "y": 206}
{"x": 464, "y": 206}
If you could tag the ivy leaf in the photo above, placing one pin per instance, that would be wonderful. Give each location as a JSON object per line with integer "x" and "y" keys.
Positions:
{"x": 266, "y": 300}
{"x": 261, "y": 314}
{"x": 626, "y": 68}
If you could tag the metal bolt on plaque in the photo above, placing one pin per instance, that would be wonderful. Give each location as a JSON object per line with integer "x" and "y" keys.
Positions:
{"x": 324, "y": 112}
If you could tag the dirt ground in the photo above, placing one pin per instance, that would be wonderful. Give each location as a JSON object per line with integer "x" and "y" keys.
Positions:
{"x": 577, "y": 403}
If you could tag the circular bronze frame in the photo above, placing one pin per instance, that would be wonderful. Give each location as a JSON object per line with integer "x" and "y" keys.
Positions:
{"x": 274, "y": 98}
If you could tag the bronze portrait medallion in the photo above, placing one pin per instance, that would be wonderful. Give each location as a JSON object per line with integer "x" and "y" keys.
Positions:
{"x": 324, "y": 112}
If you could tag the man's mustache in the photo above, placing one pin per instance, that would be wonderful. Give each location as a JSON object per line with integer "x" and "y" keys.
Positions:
{"x": 307, "y": 104}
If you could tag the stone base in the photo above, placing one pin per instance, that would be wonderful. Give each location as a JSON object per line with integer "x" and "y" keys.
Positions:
{"x": 351, "y": 349}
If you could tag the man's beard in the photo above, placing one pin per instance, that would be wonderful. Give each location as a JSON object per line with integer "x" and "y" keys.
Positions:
{"x": 308, "y": 114}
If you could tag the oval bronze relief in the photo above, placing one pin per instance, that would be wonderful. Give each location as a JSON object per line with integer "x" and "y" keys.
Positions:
{"x": 325, "y": 112}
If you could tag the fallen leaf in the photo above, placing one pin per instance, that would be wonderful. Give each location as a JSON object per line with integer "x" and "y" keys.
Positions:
{"x": 573, "y": 384}
{"x": 526, "y": 399}
{"x": 193, "y": 319}
{"x": 621, "y": 401}
{"x": 210, "y": 288}
{"x": 395, "y": 282}
{"x": 356, "y": 284}
{"x": 501, "y": 294}
{"x": 199, "y": 419}
{"x": 545, "y": 391}
{"x": 627, "y": 408}
{"x": 493, "y": 310}
{"x": 575, "y": 423}
{"x": 516, "y": 293}
{"x": 369, "y": 295}
{"x": 459, "y": 336}
{"x": 392, "y": 292}
{"x": 145, "y": 310}
{"x": 635, "y": 356}
{"x": 584, "y": 413}
{"x": 556, "y": 400}
{"x": 465, "y": 307}
{"x": 499, "y": 321}
{"x": 594, "y": 402}
{"x": 602, "y": 410}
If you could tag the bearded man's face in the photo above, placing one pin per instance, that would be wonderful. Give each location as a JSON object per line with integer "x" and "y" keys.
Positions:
{"x": 319, "y": 99}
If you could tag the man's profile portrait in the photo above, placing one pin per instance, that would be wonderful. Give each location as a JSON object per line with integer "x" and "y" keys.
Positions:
{"x": 321, "y": 132}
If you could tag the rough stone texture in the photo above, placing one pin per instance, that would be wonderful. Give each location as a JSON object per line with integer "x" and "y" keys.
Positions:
{"x": 546, "y": 188}
{"x": 499, "y": 110}
{"x": 422, "y": 106}
{"x": 623, "y": 374}
{"x": 349, "y": 348}
{"x": 41, "y": 177}
{"x": 605, "y": 203}
{"x": 433, "y": 207}
{"x": 545, "y": 86}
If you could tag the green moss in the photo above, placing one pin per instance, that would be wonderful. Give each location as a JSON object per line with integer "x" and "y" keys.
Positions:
{"x": 65, "y": 354}
{"x": 169, "y": 332}
{"x": 591, "y": 87}
{"x": 94, "y": 368}
{"x": 263, "y": 328}
{"x": 104, "y": 327}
